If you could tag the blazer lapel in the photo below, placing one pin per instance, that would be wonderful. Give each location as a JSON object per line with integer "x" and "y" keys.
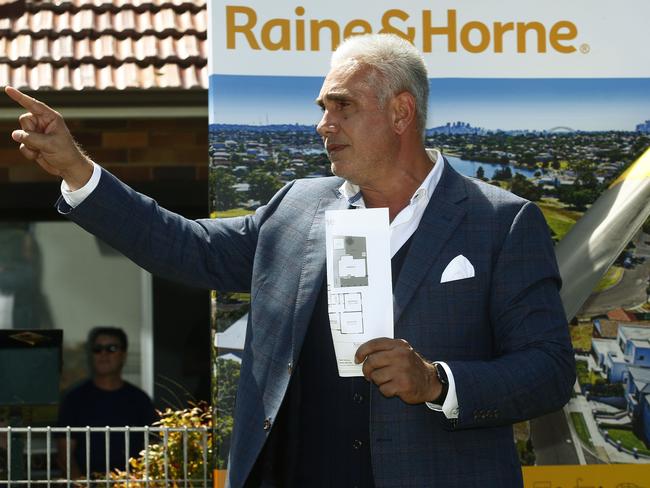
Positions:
{"x": 440, "y": 219}
{"x": 312, "y": 271}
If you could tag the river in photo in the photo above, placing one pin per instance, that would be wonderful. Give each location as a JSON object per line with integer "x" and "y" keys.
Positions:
{"x": 468, "y": 168}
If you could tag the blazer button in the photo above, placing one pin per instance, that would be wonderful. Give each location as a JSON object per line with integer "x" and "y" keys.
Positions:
{"x": 267, "y": 424}
{"x": 356, "y": 444}
{"x": 357, "y": 398}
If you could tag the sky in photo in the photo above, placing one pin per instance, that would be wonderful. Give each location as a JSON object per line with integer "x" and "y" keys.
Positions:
{"x": 508, "y": 104}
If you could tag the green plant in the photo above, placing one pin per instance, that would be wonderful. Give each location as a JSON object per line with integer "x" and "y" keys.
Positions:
{"x": 526, "y": 452}
{"x": 170, "y": 451}
{"x": 629, "y": 440}
{"x": 582, "y": 370}
{"x": 581, "y": 428}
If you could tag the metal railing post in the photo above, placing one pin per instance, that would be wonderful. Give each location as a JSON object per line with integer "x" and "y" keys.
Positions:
{"x": 127, "y": 452}
{"x": 29, "y": 455}
{"x": 48, "y": 452}
{"x": 87, "y": 456}
{"x": 180, "y": 449}
{"x": 9, "y": 456}
{"x": 67, "y": 456}
{"x": 166, "y": 459}
{"x": 146, "y": 456}
{"x": 185, "y": 476}
{"x": 107, "y": 454}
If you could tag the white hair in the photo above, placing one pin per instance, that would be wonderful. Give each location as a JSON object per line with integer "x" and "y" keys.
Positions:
{"x": 397, "y": 66}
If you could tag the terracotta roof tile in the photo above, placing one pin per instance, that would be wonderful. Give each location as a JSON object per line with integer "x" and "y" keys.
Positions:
{"x": 63, "y": 78}
{"x": 165, "y": 21}
{"x": 103, "y": 22}
{"x": 5, "y": 72}
{"x": 105, "y": 79}
{"x": 42, "y": 76}
{"x": 169, "y": 76}
{"x": 201, "y": 21}
{"x": 90, "y": 76}
{"x": 119, "y": 4}
{"x": 106, "y": 48}
{"x": 41, "y": 49}
{"x": 63, "y": 48}
{"x": 43, "y": 20}
{"x": 188, "y": 47}
{"x": 193, "y": 78}
{"x": 101, "y": 44}
{"x": 18, "y": 77}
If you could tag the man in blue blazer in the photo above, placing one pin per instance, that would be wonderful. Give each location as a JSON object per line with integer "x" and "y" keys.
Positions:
{"x": 481, "y": 339}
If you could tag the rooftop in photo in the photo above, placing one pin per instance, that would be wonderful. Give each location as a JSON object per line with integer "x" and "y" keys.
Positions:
{"x": 607, "y": 347}
{"x": 103, "y": 45}
{"x": 640, "y": 376}
{"x": 635, "y": 332}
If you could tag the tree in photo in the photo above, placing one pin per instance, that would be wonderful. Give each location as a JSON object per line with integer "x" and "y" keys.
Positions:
{"x": 504, "y": 173}
{"x": 263, "y": 185}
{"x": 522, "y": 186}
{"x": 223, "y": 194}
{"x": 585, "y": 189}
{"x": 227, "y": 380}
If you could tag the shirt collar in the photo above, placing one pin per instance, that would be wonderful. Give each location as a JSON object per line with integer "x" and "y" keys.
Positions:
{"x": 353, "y": 194}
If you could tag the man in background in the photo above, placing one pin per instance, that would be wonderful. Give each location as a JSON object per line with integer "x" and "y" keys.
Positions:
{"x": 105, "y": 399}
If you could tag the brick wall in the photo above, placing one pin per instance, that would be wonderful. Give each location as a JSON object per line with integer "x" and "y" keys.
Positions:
{"x": 139, "y": 150}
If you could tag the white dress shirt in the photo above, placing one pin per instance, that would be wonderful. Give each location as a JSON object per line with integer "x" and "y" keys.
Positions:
{"x": 401, "y": 229}
{"x": 74, "y": 198}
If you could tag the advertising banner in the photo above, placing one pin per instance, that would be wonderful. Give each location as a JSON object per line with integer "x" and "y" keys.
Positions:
{"x": 548, "y": 100}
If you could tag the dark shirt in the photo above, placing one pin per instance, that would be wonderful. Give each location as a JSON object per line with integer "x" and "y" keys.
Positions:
{"x": 321, "y": 437}
{"x": 88, "y": 405}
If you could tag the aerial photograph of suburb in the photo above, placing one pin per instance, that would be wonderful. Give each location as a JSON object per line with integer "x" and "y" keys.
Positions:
{"x": 557, "y": 142}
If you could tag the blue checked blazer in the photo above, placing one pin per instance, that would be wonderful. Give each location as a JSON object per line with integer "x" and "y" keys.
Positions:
{"x": 503, "y": 332}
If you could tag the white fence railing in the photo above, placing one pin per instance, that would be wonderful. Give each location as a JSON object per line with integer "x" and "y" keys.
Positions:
{"x": 172, "y": 457}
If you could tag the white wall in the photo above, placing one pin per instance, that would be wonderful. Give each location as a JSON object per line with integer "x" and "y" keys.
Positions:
{"x": 85, "y": 288}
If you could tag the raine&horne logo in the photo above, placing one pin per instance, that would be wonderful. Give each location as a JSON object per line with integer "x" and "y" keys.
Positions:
{"x": 445, "y": 33}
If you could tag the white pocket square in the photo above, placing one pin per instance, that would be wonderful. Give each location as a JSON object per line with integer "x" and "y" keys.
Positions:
{"x": 458, "y": 268}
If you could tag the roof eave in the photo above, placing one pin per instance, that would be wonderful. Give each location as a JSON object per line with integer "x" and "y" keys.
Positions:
{"x": 117, "y": 104}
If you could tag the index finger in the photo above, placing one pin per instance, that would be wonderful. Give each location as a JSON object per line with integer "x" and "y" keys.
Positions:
{"x": 31, "y": 104}
{"x": 372, "y": 346}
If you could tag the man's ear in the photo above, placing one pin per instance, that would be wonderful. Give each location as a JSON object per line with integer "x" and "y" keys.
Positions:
{"x": 403, "y": 109}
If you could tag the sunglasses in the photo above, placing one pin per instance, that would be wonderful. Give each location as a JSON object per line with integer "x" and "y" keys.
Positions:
{"x": 111, "y": 348}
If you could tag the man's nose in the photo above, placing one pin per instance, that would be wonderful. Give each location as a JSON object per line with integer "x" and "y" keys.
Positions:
{"x": 327, "y": 124}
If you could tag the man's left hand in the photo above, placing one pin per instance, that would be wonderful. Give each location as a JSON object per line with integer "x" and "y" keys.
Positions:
{"x": 398, "y": 370}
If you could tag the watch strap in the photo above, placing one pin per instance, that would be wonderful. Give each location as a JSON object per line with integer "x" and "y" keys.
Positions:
{"x": 444, "y": 381}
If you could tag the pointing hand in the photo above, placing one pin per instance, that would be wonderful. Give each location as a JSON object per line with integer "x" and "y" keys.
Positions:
{"x": 45, "y": 138}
